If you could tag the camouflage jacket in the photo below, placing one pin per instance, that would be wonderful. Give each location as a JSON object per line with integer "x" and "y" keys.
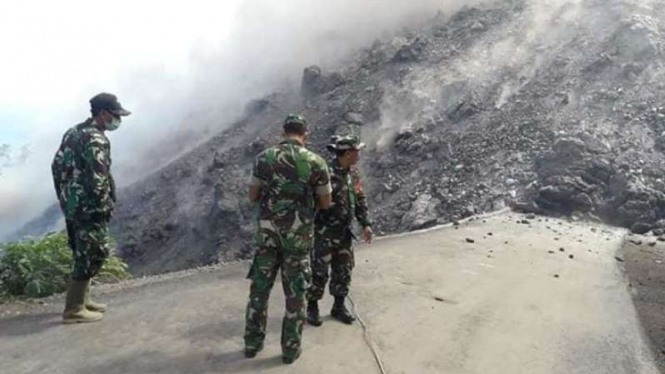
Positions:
{"x": 348, "y": 200}
{"x": 289, "y": 176}
{"x": 82, "y": 173}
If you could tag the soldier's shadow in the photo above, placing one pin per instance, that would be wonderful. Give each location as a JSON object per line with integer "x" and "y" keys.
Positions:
{"x": 235, "y": 362}
{"x": 160, "y": 362}
{"x": 29, "y": 324}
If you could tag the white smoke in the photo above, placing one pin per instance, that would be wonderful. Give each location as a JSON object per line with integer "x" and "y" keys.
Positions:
{"x": 523, "y": 45}
{"x": 185, "y": 69}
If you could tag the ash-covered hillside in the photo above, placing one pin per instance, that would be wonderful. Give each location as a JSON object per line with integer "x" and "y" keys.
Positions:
{"x": 548, "y": 106}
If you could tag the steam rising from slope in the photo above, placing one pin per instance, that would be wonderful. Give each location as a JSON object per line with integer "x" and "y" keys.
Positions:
{"x": 222, "y": 56}
{"x": 511, "y": 56}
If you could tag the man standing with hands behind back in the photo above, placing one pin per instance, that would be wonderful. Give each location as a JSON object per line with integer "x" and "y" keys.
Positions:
{"x": 85, "y": 188}
{"x": 289, "y": 182}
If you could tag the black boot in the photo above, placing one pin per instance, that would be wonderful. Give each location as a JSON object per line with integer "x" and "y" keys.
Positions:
{"x": 252, "y": 352}
{"x": 313, "y": 316}
{"x": 340, "y": 313}
{"x": 291, "y": 358}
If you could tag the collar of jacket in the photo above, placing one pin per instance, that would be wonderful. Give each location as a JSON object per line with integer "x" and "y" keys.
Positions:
{"x": 291, "y": 142}
{"x": 90, "y": 122}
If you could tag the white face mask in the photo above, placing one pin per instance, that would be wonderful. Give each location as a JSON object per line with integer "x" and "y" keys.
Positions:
{"x": 114, "y": 124}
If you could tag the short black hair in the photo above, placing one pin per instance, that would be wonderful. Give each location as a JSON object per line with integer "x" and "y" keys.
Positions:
{"x": 295, "y": 124}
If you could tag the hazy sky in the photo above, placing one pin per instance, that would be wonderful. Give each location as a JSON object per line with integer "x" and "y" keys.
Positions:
{"x": 56, "y": 53}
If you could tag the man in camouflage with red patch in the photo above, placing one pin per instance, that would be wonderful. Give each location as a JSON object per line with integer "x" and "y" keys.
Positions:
{"x": 289, "y": 183}
{"x": 86, "y": 191}
{"x": 333, "y": 236}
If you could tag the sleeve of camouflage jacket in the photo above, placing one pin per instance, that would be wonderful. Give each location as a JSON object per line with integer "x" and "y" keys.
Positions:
{"x": 98, "y": 175}
{"x": 257, "y": 179}
{"x": 57, "y": 180}
{"x": 320, "y": 177}
{"x": 112, "y": 185}
{"x": 362, "y": 210}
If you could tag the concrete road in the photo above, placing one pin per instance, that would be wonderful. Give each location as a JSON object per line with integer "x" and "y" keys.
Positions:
{"x": 513, "y": 301}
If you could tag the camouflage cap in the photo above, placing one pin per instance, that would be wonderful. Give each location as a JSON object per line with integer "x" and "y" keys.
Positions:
{"x": 296, "y": 119}
{"x": 295, "y": 123}
{"x": 343, "y": 143}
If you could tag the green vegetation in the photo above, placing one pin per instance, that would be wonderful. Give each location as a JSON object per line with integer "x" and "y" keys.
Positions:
{"x": 41, "y": 267}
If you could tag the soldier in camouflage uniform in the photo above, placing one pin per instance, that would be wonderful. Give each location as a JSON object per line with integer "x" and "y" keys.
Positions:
{"x": 86, "y": 191}
{"x": 289, "y": 182}
{"x": 333, "y": 235}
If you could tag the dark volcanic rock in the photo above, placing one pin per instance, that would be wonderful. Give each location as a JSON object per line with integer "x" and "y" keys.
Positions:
{"x": 578, "y": 176}
{"x": 633, "y": 201}
{"x": 354, "y": 118}
{"x": 422, "y": 213}
{"x": 574, "y": 176}
{"x": 315, "y": 83}
{"x": 412, "y": 51}
{"x": 640, "y": 228}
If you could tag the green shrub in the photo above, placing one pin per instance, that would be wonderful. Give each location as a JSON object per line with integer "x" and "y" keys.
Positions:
{"x": 41, "y": 267}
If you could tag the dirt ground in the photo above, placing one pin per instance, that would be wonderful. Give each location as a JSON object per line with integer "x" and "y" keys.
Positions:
{"x": 644, "y": 265}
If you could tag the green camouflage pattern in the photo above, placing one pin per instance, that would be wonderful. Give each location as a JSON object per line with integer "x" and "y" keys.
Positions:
{"x": 81, "y": 172}
{"x": 86, "y": 192}
{"x": 295, "y": 270}
{"x": 289, "y": 176}
{"x": 333, "y": 251}
{"x": 89, "y": 242}
{"x": 333, "y": 236}
{"x": 296, "y": 118}
{"x": 348, "y": 200}
{"x": 346, "y": 142}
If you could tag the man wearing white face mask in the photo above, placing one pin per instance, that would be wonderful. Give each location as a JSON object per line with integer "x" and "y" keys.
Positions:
{"x": 85, "y": 188}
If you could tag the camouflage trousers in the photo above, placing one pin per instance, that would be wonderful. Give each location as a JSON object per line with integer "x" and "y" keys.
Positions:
{"x": 332, "y": 250}
{"x": 295, "y": 274}
{"x": 89, "y": 241}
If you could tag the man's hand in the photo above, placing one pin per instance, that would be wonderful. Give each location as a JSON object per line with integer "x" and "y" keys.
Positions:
{"x": 324, "y": 201}
{"x": 254, "y": 193}
{"x": 368, "y": 234}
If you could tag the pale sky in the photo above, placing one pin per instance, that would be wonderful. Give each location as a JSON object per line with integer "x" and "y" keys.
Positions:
{"x": 55, "y": 53}
{"x": 58, "y": 54}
